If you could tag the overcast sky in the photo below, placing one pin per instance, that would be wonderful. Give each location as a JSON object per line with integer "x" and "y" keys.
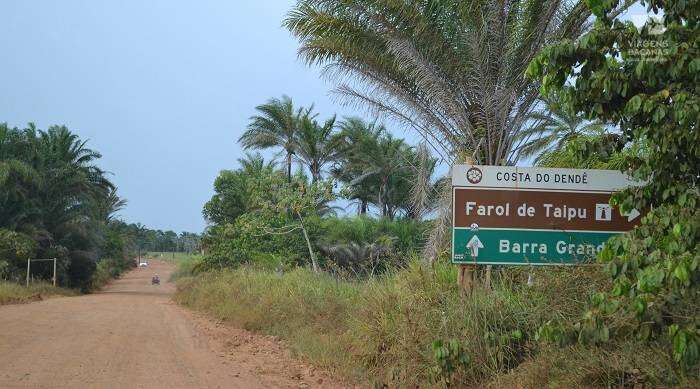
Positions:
{"x": 163, "y": 89}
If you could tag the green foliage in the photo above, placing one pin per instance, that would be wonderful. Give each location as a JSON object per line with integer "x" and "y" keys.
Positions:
{"x": 645, "y": 81}
{"x": 276, "y": 125}
{"x": 449, "y": 70}
{"x": 408, "y": 234}
{"x": 107, "y": 270}
{"x": 450, "y": 358}
{"x": 233, "y": 189}
{"x": 317, "y": 145}
{"x": 582, "y": 153}
{"x": 553, "y": 128}
{"x": 15, "y": 248}
{"x": 279, "y": 217}
{"x": 262, "y": 215}
{"x": 382, "y": 330}
{"x": 55, "y": 202}
{"x": 250, "y": 238}
{"x": 382, "y": 170}
{"x": 52, "y": 191}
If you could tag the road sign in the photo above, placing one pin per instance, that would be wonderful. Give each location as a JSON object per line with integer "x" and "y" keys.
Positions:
{"x": 538, "y": 216}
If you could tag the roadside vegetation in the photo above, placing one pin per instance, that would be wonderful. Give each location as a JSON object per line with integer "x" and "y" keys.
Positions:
{"x": 373, "y": 296}
{"x": 55, "y": 202}
{"x": 14, "y": 293}
{"x": 413, "y": 327}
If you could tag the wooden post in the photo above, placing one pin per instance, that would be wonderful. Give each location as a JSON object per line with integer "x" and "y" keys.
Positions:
{"x": 487, "y": 277}
{"x": 465, "y": 278}
{"x": 29, "y": 261}
{"x": 54, "y": 272}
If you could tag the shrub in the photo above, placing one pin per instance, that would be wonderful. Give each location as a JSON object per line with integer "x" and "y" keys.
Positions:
{"x": 108, "y": 269}
{"x": 15, "y": 248}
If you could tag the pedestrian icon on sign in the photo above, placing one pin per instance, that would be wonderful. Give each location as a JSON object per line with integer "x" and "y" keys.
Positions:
{"x": 603, "y": 212}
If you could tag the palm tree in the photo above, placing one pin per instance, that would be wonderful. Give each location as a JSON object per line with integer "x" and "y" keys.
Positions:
{"x": 354, "y": 133}
{"x": 52, "y": 190}
{"x": 423, "y": 190}
{"x": 384, "y": 165}
{"x": 71, "y": 182}
{"x": 317, "y": 145}
{"x": 254, "y": 165}
{"x": 276, "y": 125}
{"x": 18, "y": 179}
{"x": 552, "y": 129}
{"x": 450, "y": 70}
{"x": 108, "y": 207}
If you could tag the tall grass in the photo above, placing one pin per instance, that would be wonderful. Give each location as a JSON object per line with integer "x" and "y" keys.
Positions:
{"x": 13, "y": 293}
{"x": 381, "y": 330}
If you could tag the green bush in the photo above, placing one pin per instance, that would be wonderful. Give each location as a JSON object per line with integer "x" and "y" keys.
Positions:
{"x": 260, "y": 239}
{"x": 653, "y": 101}
{"x": 15, "y": 248}
{"x": 409, "y": 234}
{"x": 108, "y": 269}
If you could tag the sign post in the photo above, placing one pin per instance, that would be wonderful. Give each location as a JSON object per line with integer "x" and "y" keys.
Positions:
{"x": 508, "y": 215}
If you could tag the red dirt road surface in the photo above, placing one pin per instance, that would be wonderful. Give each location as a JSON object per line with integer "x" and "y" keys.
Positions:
{"x": 131, "y": 335}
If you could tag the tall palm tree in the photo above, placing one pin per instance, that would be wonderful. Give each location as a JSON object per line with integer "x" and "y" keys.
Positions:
{"x": 276, "y": 125}
{"x": 552, "y": 128}
{"x": 317, "y": 145}
{"x": 18, "y": 179}
{"x": 452, "y": 70}
{"x": 52, "y": 190}
{"x": 383, "y": 164}
{"x": 71, "y": 181}
{"x": 354, "y": 133}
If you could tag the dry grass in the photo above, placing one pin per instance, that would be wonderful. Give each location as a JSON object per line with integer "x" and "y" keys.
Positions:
{"x": 380, "y": 331}
{"x": 12, "y": 293}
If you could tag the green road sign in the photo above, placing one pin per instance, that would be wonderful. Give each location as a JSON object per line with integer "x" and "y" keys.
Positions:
{"x": 511, "y": 215}
{"x": 526, "y": 247}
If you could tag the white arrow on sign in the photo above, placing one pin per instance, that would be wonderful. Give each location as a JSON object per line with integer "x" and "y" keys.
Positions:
{"x": 475, "y": 244}
{"x": 631, "y": 215}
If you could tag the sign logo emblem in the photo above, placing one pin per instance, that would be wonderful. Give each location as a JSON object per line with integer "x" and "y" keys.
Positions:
{"x": 603, "y": 212}
{"x": 474, "y": 175}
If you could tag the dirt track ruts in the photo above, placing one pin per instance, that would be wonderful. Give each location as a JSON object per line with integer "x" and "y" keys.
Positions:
{"x": 131, "y": 335}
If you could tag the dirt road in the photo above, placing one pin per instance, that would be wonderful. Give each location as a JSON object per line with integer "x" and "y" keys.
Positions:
{"x": 131, "y": 335}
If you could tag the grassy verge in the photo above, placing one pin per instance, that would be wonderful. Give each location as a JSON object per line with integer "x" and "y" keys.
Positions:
{"x": 383, "y": 330}
{"x": 106, "y": 270}
{"x": 12, "y": 293}
{"x": 186, "y": 263}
